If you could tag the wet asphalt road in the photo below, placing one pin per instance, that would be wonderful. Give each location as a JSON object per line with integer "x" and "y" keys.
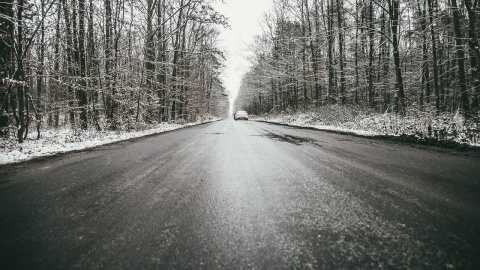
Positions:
{"x": 243, "y": 195}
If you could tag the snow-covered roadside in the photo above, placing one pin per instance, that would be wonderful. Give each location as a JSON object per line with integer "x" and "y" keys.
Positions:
{"x": 60, "y": 141}
{"x": 413, "y": 127}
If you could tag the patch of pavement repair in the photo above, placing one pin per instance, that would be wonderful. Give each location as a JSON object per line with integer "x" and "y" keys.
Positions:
{"x": 287, "y": 138}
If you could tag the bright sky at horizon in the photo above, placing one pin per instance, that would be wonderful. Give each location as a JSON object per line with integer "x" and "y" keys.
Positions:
{"x": 244, "y": 17}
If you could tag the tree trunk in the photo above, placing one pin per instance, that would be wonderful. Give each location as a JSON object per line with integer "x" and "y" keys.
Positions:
{"x": 149, "y": 53}
{"x": 82, "y": 93}
{"x": 474, "y": 49}
{"x": 425, "y": 70}
{"x": 356, "y": 56}
{"x": 41, "y": 58}
{"x": 434, "y": 57}
{"x": 70, "y": 59}
{"x": 371, "y": 35}
{"x": 316, "y": 64}
{"x": 340, "y": 49}
{"x": 92, "y": 65}
{"x": 394, "y": 10}
{"x": 6, "y": 56}
{"x": 304, "y": 55}
{"x": 330, "y": 36}
{"x": 460, "y": 59}
{"x": 56, "y": 68}
{"x": 20, "y": 73}
{"x": 176, "y": 54}
{"x": 110, "y": 96}
{"x": 161, "y": 59}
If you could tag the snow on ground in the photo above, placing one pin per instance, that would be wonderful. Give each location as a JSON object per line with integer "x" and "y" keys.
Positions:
{"x": 64, "y": 140}
{"x": 419, "y": 127}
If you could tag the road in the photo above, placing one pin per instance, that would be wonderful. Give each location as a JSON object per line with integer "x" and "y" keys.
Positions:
{"x": 243, "y": 195}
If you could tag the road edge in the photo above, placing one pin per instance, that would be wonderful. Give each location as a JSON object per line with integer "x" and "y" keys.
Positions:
{"x": 411, "y": 140}
{"x": 39, "y": 159}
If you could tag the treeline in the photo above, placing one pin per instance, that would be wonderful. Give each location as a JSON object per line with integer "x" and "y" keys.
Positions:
{"x": 382, "y": 55}
{"x": 109, "y": 64}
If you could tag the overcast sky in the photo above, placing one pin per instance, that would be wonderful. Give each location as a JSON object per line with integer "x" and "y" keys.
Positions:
{"x": 244, "y": 18}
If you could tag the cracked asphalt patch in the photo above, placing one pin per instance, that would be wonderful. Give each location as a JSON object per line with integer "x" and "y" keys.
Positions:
{"x": 288, "y": 138}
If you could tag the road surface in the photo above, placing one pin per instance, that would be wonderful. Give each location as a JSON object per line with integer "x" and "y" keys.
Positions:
{"x": 243, "y": 195}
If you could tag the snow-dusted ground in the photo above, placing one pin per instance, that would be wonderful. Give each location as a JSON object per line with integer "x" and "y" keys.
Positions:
{"x": 421, "y": 127}
{"x": 59, "y": 141}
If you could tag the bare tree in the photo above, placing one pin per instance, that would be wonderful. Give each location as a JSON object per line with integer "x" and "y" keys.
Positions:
{"x": 460, "y": 58}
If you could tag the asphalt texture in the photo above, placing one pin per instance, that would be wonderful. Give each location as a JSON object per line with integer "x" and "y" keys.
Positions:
{"x": 243, "y": 195}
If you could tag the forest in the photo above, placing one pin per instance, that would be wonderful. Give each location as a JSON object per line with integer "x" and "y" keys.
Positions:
{"x": 414, "y": 57}
{"x": 108, "y": 64}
